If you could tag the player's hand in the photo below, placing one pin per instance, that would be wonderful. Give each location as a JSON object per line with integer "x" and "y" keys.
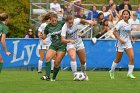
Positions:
{"x": 80, "y": 34}
{"x": 73, "y": 41}
{"x": 8, "y": 53}
{"x": 122, "y": 41}
{"x": 44, "y": 42}
{"x": 133, "y": 41}
{"x": 91, "y": 23}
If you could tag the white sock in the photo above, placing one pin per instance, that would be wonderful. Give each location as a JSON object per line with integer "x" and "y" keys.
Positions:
{"x": 73, "y": 66}
{"x": 114, "y": 65}
{"x": 40, "y": 62}
{"x": 52, "y": 64}
{"x": 83, "y": 68}
{"x": 130, "y": 69}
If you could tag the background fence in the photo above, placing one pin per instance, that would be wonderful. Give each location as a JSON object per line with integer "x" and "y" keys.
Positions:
{"x": 99, "y": 55}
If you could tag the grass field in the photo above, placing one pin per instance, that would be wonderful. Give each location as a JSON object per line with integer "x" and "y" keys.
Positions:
{"x": 29, "y": 82}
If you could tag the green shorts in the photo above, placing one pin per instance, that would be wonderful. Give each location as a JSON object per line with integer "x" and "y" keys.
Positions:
{"x": 60, "y": 48}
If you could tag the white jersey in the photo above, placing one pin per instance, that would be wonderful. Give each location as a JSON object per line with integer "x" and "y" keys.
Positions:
{"x": 123, "y": 31}
{"x": 71, "y": 33}
{"x": 41, "y": 30}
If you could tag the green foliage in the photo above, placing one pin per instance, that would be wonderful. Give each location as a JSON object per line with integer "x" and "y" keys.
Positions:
{"x": 18, "y": 11}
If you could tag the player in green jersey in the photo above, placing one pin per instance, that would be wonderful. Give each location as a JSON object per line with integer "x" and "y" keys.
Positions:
{"x": 56, "y": 48}
{"x": 3, "y": 32}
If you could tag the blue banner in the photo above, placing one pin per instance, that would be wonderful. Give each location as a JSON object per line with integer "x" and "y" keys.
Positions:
{"x": 99, "y": 55}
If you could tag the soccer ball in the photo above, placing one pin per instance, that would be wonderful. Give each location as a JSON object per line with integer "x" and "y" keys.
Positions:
{"x": 79, "y": 76}
{"x": 44, "y": 77}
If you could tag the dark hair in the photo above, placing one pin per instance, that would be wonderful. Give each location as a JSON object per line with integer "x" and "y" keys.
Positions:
{"x": 126, "y": 11}
{"x": 30, "y": 36}
{"x": 69, "y": 17}
{"x": 47, "y": 16}
{"x": 3, "y": 16}
{"x": 100, "y": 14}
{"x": 104, "y": 22}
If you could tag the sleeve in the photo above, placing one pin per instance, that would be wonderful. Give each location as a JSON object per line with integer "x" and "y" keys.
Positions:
{"x": 46, "y": 31}
{"x": 118, "y": 26}
{"x": 42, "y": 28}
{"x": 64, "y": 29}
{"x": 5, "y": 30}
{"x": 77, "y": 21}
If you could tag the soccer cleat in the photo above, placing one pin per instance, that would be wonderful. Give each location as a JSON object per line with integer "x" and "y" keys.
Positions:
{"x": 39, "y": 72}
{"x": 45, "y": 78}
{"x": 111, "y": 75}
{"x": 52, "y": 80}
{"x": 51, "y": 71}
{"x": 131, "y": 76}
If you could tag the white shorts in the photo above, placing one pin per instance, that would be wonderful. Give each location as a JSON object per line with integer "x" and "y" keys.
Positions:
{"x": 41, "y": 46}
{"x": 121, "y": 49}
{"x": 77, "y": 46}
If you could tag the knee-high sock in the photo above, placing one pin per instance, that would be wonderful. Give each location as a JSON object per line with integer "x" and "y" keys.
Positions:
{"x": 52, "y": 64}
{"x": 130, "y": 69}
{"x": 40, "y": 62}
{"x": 48, "y": 68}
{"x": 114, "y": 65}
{"x": 55, "y": 72}
{"x": 1, "y": 64}
{"x": 73, "y": 66}
{"x": 83, "y": 68}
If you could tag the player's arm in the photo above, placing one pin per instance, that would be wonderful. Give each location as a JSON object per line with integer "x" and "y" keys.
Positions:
{"x": 63, "y": 35}
{"x": 133, "y": 41}
{"x": 64, "y": 40}
{"x": 89, "y": 22}
{"x": 4, "y": 44}
{"x": 115, "y": 33}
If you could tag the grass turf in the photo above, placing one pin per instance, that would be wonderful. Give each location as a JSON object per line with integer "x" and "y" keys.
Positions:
{"x": 29, "y": 82}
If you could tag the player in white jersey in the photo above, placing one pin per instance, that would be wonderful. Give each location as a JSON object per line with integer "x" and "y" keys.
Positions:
{"x": 43, "y": 44}
{"x": 70, "y": 35}
{"x": 122, "y": 33}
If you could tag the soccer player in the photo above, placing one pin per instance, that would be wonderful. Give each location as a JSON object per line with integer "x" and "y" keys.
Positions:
{"x": 44, "y": 44}
{"x": 123, "y": 36}
{"x": 56, "y": 48}
{"x": 70, "y": 35}
{"x": 3, "y": 31}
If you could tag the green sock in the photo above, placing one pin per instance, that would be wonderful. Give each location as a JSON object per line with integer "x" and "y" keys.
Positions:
{"x": 1, "y": 64}
{"x": 55, "y": 72}
{"x": 48, "y": 68}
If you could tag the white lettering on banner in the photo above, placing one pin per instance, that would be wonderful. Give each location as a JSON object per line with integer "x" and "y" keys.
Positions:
{"x": 15, "y": 59}
{"x": 29, "y": 49}
{"x": 29, "y": 52}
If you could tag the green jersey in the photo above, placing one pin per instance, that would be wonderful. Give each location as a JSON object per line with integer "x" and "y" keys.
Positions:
{"x": 3, "y": 29}
{"x": 55, "y": 32}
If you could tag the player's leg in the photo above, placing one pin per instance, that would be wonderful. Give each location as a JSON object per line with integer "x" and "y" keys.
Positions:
{"x": 58, "y": 59}
{"x": 52, "y": 63}
{"x": 49, "y": 56}
{"x": 72, "y": 54}
{"x": 115, "y": 63}
{"x": 130, "y": 53}
{"x": 1, "y": 63}
{"x": 82, "y": 57}
{"x": 40, "y": 62}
